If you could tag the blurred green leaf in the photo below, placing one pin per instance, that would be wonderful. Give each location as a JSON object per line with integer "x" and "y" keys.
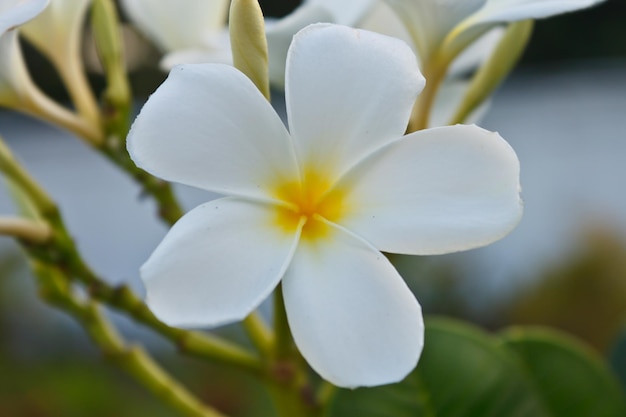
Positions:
{"x": 465, "y": 372}
{"x": 618, "y": 357}
{"x": 570, "y": 378}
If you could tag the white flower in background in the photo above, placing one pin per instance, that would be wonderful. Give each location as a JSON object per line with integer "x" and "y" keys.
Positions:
{"x": 57, "y": 33}
{"x": 186, "y": 31}
{"x": 443, "y": 29}
{"x": 15, "y": 82}
{"x": 383, "y": 20}
{"x": 454, "y": 24}
{"x": 315, "y": 205}
{"x": 280, "y": 32}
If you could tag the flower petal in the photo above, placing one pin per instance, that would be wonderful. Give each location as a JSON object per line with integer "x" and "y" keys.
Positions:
{"x": 449, "y": 99}
{"x": 280, "y": 34}
{"x": 346, "y": 12}
{"x": 348, "y": 92}
{"x": 383, "y": 19}
{"x": 57, "y": 31}
{"x": 217, "y": 264}
{"x": 15, "y": 81}
{"x": 435, "y": 191}
{"x": 208, "y": 126}
{"x": 351, "y": 314}
{"x": 513, "y": 10}
{"x": 17, "y": 12}
{"x": 216, "y": 51}
{"x": 172, "y": 27}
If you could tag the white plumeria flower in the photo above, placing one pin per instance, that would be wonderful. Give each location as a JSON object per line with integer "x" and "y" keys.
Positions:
{"x": 187, "y": 31}
{"x": 15, "y": 82}
{"x": 315, "y": 205}
{"x": 280, "y": 32}
{"x": 459, "y": 22}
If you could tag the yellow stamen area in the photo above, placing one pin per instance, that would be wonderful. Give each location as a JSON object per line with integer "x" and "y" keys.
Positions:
{"x": 312, "y": 200}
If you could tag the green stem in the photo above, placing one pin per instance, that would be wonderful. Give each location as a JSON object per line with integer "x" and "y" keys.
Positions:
{"x": 258, "y": 332}
{"x": 283, "y": 340}
{"x": 169, "y": 209}
{"x": 289, "y": 385}
{"x": 290, "y": 401}
{"x": 492, "y": 72}
{"x": 136, "y": 361}
{"x": 325, "y": 393}
{"x": 122, "y": 298}
{"x": 22, "y": 179}
{"x": 25, "y": 229}
{"x": 192, "y": 343}
{"x": 435, "y": 72}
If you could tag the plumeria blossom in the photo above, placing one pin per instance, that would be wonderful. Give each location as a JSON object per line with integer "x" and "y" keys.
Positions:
{"x": 190, "y": 31}
{"x": 17, "y": 90}
{"x": 442, "y": 29}
{"x": 15, "y": 82}
{"x": 454, "y": 24}
{"x": 314, "y": 206}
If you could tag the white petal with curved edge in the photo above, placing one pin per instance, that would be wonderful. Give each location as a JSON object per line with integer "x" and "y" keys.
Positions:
{"x": 436, "y": 191}
{"x": 352, "y": 316}
{"x": 429, "y": 21}
{"x": 14, "y": 13}
{"x": 217, "y": 264}
{"x": 172, "y": 26}
{"x": 513, "y": 10}
{"x": 348, "y": 92}
{"x": 208, "y": 126}
{"x": 280, "y": 33}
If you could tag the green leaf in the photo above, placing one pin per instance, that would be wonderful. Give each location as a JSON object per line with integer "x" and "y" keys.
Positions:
{"x": 466, "y": 372}
{"x": 571, "y": 379}
{"x": 463, "y": 372}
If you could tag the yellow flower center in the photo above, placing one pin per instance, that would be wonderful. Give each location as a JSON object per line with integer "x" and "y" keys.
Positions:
{"x": 311, "y": 200}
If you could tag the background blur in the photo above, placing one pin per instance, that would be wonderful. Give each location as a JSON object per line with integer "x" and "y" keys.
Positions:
{"x": 564, "y": 112}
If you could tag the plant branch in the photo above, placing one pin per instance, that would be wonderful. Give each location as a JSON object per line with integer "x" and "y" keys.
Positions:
{"x": 56, "y": 290}
{"x": 24, "y": 229}
{"x": 258, "y": 332}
